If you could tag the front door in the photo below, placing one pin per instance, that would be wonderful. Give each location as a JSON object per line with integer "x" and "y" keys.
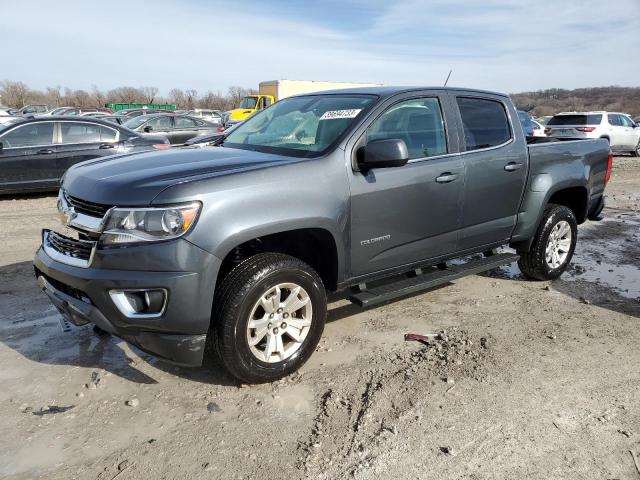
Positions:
{"x": 407, "y": 214}
{"x": 495, "y": 161}
{"x": 28, "y": 158}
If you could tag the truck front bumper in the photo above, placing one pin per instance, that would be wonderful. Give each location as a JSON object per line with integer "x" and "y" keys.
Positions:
{"x": 178, "y": 333}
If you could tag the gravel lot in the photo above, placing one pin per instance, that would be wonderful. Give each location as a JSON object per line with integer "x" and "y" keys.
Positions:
{"x": 531, "y": 380}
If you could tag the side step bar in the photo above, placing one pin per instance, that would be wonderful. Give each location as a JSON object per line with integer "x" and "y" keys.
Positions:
{"x": 432, "y": 278}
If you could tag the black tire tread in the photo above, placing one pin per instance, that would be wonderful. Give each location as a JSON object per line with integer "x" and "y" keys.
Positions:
{"x": 532, "y": 263}
{"x": 230, "y": 294}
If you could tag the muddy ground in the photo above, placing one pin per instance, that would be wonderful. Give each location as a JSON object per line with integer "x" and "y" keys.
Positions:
{"x": 535, "y": 380}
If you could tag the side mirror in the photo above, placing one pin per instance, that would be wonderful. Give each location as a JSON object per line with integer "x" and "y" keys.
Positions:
{"x": 382, "y": 154}
{"x": 1, "y": 146}
{"x": 148, "y": 128}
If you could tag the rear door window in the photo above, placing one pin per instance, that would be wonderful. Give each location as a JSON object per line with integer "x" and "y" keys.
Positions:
{"x": 485, "y": 123}
{"x": 418, "y": 122}
{"x": 615, "y": 120}
{"x": 76, "y": 132}
{"x": 29, "y": 135}
{"x": 184, "y": 122}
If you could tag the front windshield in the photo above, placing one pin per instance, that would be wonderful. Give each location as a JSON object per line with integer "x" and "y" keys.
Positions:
{"x": 135, "y": 122}
{"x": 249, "y": 102}
{"x": 299, "y": 126}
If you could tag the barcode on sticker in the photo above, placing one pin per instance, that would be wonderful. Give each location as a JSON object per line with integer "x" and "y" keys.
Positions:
{"x": 331, "y": 114}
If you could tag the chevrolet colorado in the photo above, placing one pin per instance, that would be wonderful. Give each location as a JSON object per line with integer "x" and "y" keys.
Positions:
{"x": 229, "y": 250}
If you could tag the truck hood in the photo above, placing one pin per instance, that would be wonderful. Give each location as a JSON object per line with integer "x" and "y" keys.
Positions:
{"x": 136, "y": 179}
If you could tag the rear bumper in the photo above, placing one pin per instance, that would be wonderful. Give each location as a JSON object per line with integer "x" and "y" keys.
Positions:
{"x": 178, "y": 334}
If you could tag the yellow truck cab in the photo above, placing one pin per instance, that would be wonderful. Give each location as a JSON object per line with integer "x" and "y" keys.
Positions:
{"x": 271, "y": 91}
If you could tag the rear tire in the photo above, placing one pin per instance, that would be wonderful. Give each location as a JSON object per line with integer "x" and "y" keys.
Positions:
{"x": 268, "y": 317}
{"x": 553, "y": 245}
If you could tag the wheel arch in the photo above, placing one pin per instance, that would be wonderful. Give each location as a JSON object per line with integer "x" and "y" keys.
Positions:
{"x": 573, "y": 195}
{"x": 316, "y": 246}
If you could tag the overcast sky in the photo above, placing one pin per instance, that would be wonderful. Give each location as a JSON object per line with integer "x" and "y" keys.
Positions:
{"x": 505, "y": 45}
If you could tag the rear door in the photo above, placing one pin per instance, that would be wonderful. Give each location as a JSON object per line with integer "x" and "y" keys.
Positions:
{"x": 28, "y": 157}
{"x": 407, "y": 214}
{"x": 80, "y": 141}
{"x": 495, "y": 161}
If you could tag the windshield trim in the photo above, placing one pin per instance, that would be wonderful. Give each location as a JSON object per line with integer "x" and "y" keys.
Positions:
{"x": 297, "y": 153}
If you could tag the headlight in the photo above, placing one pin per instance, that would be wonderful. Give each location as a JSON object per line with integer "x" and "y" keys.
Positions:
{"x": 135, "y": 225}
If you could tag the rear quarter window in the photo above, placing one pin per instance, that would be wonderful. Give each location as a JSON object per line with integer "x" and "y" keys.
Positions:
{"x": 562, "y": 120}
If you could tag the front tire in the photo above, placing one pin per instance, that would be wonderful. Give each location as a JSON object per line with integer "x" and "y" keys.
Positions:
{"x": 636, "y": 152}
{"x": 269, "y": 315}
{"x": 553, "y": 245}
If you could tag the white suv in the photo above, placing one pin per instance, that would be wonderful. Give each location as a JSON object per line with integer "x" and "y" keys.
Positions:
{"x": 621, "y": 131}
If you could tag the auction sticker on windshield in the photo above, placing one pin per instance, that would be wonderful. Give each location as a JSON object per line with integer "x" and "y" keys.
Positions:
{"x": 331, "y": 114}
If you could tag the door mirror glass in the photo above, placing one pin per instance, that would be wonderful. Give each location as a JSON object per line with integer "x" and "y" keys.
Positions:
{"x": 1, "y": 146}
{"x": 390, "y": 152}
{"x": 148, "y": 128}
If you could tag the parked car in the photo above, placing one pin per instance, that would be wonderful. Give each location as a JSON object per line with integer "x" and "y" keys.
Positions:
{"x": 32, "y": 109}
{"x": 622, "y": 133}
{"x": 177, "y": 128}
{"x": 117, "y": 119}
{"x": 527, "y": 123}
{"x": 55, "y": 111}
{"x": 80, "y": 111}
{"x": 211, "y": 116}
{"x": 364, "y": 191}
{"x": 135, "y": 112}
{"x": 538, "y": 130}
{"x": 35, "y": 152}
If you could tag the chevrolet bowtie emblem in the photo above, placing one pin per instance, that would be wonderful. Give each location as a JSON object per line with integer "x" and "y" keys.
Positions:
{"x": 67, "y": 213}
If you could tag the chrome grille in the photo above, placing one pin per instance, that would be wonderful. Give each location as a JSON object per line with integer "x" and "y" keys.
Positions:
{"x": 68, "y": 250}
{"x": 86, "y": 207}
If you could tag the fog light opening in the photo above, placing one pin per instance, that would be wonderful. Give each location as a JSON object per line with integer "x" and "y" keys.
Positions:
{"x": 139, "y": 303}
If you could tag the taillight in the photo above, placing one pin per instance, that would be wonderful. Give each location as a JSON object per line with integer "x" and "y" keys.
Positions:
{"x": 220, "y": 129}
{"x": 607, "y": 174}
{"x": 585, "y": 129}
{"x": 161, "y": 146}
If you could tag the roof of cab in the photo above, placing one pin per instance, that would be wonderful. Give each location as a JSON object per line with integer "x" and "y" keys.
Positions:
{"x": 390, "y": 91}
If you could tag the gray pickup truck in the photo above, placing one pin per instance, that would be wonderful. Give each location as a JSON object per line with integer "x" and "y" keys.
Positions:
{"x": 229, "y": 250}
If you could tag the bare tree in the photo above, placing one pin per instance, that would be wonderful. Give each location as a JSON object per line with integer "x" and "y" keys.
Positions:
{"x": 149, "y": 93}
{"x": 177, "y": 97}
{"x": 53, "y": 96}
{"x": 14, "y": 94}
{"x": 125, "y": 95}
{"x": 237, "y": 93}
{"x": 192, "y": 97}
{"x": 98, "y": 96}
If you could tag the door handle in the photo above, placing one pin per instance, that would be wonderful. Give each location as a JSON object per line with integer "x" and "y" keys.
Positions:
{"x": 104, "y": 146}
{"x": 45, "y": 151}
{"x": 446, "y": 177}
{"x": 512, "y": 166}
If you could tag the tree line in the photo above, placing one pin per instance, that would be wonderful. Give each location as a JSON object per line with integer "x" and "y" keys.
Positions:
{"x": 554, "y": 100}
{"x": 542, "y": 102}
{"x": 18, "y": 94}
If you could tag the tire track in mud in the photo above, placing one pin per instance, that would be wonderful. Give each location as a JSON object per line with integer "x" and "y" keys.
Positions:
{"x": 357, "y": 423}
